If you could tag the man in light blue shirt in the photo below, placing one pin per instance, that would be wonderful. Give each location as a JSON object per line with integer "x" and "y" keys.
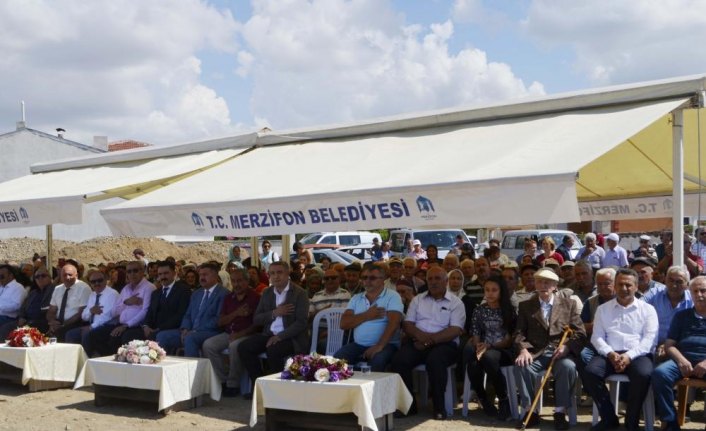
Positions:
{"x": 615, "y": 255}
{"x": 374, "y": 316}
{"x": 668, "y": 302}
{"x": 646, "y": 286}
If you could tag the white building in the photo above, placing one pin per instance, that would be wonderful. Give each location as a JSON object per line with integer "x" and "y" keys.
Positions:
{"x": 24, "y": 147}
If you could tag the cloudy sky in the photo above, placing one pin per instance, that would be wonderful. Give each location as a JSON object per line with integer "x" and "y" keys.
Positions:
{"x": 177, "y": 71}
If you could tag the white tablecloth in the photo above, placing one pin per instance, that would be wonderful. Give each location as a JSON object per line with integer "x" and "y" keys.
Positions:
{"x": 368, "y": 396}
{"x": 176, "y": 379}
{"x": 54, "y": 362}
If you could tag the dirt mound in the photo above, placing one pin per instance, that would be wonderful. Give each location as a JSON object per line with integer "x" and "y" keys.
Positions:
{"x": 113, "y": 249}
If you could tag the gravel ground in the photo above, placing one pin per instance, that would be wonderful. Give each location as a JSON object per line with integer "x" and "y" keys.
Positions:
{"x": 67, "y": 409}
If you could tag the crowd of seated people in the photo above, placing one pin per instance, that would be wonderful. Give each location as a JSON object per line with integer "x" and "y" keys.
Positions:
{"x": 482, "y": 313}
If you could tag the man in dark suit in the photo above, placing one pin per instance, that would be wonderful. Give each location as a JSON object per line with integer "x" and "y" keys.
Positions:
{"x": 283, "y": 313}
{"x": 168, "y": 304}
{"x": 200, "y": 321}
{"x": 540, "y": 325}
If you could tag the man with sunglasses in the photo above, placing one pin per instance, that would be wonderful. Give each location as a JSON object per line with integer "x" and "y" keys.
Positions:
{"x": 11, "y": 295}
{"x": 98, "y": 311}
{"x": 130, "y": 312}
{"x": 67, "y": 303}
{"x": 374, "y": 315}
{"x": 332, "y": 295}
{"x": 34, "y": 308}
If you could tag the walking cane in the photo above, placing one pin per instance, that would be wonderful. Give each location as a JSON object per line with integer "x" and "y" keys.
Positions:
{"x": 567, "y": 332}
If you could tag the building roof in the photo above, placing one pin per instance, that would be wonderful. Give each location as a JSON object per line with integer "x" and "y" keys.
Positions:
{"x": 127, "y": 144}
{"x": 53, "y": 138}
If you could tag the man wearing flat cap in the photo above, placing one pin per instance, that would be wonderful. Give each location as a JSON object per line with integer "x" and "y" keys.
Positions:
{"x": 647, "y": 287}
{"x": 541, "y": 322}
{"x": 615, "y": 255}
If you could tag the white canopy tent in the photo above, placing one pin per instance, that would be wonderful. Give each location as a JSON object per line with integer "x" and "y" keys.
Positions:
{"x": 524, "y": 163}
{"x": 507, "y": 172}
{"x": 518, "y": 163}
{"x": 59, "y": 196}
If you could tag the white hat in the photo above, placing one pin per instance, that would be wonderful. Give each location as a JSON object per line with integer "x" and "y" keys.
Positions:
{"x": 645, "y": 238}
{"x": 417, "y": 242}
{"x": 546, "y": 273}
{"x": 613, "y": 237}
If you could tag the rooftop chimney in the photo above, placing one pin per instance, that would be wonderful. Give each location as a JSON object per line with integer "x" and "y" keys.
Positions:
{"x": 60, "y": 132}
{"x": 100, "y": 142}
{"x": 22, "y": 124}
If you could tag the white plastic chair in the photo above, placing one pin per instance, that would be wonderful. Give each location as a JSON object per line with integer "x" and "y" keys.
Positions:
{"x": 334, "y": 337}
{"x": 648, "y": 406}
{"x": 511, "y": 386}
{"x": 449, "y": 394}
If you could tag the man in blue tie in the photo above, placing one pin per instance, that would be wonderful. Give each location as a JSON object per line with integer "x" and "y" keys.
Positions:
{"x": 201, "y": 319}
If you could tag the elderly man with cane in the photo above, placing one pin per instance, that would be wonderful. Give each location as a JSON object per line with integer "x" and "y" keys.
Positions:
{"x": 541, "y": 342}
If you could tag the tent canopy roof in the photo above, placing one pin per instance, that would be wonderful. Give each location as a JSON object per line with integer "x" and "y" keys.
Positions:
{"x": 511, "y": 163}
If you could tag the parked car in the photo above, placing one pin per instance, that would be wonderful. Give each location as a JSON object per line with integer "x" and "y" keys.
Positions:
{"x": 513, "y": 243}
{"x": 443, "y": 239}
{"x": 335, "y": 256}
{"x": 341, "y": 238}
{"x": 360, "y": 252}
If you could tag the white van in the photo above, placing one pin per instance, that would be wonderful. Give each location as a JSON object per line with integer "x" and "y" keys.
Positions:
{"x": 443, "y": 239}
{"x": 341, "y": 238}
{"x": 513, "y": 243}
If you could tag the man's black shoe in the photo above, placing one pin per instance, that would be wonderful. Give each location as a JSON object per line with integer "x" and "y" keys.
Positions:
{"x": 560, "y": 422}
{"x": 504, "y": 410}
{"x": 439, "y": 416}
{"x": 606, "y": 424}
{"x": 489, "y": 408}
{"x": 533, "y": 421}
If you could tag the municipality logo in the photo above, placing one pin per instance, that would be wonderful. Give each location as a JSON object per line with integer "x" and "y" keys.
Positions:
{"x": 198, "y": 222}
{"x": 426, "y": 208}
{"x": 24, "y": 215}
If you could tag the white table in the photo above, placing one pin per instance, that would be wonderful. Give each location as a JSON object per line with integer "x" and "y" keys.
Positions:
{"x": 172, "y": 381}
{"x": 46, "y": 367}
{"x": 369, "y": 397}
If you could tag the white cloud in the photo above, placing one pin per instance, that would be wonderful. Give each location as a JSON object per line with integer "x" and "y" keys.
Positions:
{"x": 127, "y": 69}
{"x": 329, "y": 61}
{"x": 617, "y": 41}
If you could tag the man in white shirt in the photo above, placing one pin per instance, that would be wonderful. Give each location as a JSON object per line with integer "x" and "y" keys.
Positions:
{"x": 98, "y": 311}
{"x": 624, "y": 335}
{"x": 615, "y": 255}
{"x": 282, "y": 313}
{"x": 67, "y": 303}
{"x": 434, "y": 322}
{"x": 11, "y": 295}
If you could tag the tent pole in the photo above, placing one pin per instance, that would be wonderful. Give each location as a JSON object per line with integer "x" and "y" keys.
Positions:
{"x": 254, "y": 252}
{"x": 286, "y": 246}
{"x": 678, "y": 186}
{"x": 50, "y": 247}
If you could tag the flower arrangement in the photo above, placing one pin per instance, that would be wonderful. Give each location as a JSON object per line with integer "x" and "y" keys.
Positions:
{"x": 140, "y": 352}
{"x": 26, "y": 336}
{"x": 316, "y": 368}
